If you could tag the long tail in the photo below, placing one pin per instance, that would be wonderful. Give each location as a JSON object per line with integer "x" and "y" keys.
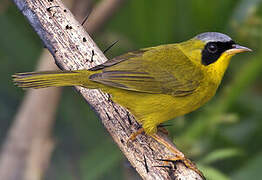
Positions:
{"x": 51, "y": 79}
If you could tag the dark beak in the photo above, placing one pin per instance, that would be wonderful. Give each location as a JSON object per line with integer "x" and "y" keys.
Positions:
{"x": 237, "y": 49}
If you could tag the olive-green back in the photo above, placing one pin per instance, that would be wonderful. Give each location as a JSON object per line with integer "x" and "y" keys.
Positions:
{"x": 163, "y": 70}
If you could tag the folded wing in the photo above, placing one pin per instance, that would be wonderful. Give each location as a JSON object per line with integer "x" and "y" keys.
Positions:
{"x": 151, "y": 72}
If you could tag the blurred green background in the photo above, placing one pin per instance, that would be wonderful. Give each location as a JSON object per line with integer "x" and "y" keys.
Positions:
{"x": 223, "y": 137}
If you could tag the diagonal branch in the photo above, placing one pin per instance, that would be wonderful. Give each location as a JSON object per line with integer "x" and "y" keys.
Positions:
{"x": 27, "y": 150}
{"x": 72, "y": 49}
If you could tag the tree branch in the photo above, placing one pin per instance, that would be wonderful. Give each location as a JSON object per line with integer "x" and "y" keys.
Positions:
{"x": 27, "y": 150}
{"x": 72, "y": 49}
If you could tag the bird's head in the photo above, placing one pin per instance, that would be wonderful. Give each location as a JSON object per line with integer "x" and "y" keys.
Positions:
{"x": 211, "y": 47}
{"x": 212, "y": 51}
{"x": 217, "y": 47}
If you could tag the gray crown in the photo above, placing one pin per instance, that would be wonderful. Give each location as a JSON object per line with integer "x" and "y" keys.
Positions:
{"x": 213, "y": 37}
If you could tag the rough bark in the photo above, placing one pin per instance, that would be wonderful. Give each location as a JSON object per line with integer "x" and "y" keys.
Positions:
{"x": 27, "y": 150}
{"x": 72, "y": 49}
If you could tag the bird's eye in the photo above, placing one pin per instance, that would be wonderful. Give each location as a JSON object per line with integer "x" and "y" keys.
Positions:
{"x": 212, "y": 48}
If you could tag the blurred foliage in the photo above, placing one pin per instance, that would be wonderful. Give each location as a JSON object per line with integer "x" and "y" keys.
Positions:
{"x": 223, "y": 137}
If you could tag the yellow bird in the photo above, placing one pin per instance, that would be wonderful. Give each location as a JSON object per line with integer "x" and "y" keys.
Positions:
{"x": 155, "y": 84}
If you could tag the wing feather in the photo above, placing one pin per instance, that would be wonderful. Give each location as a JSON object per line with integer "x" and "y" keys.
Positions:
{"x": 147, "y": 72}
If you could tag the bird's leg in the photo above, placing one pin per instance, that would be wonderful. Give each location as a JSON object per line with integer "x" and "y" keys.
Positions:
{"x": 161, "y": 128}
{"x": 179, "y": 156}
{"x": 133, "y": 136}
{"x": 141, "y": 130}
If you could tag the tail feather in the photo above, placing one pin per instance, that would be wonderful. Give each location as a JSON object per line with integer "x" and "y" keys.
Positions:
{"x": 50, "y": 79}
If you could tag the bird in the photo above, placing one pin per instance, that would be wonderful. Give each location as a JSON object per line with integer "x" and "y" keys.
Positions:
{"x": 155, "y": 84}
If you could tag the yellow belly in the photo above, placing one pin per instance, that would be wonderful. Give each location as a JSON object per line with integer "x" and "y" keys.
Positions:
{"x": 152, "y": 109}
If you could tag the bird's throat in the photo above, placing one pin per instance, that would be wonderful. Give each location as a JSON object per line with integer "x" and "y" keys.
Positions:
{"x": 216, "y": 71}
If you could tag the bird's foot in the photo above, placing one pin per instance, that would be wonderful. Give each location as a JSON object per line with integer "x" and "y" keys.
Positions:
{"x": 179, "y": 156}
{"x": 189, "y": 164}
{"x": 133, "y": 136}
{"x": 141, "y": 130}
{"x": 162, "y": 129}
